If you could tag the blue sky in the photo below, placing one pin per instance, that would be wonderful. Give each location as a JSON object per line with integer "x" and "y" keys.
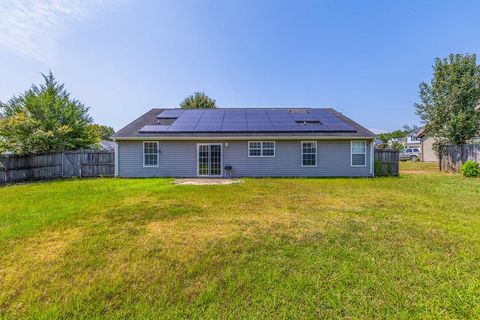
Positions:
{"x": 121, "y": 58}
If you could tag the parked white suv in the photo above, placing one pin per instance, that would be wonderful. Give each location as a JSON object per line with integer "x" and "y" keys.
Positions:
{"x": 412, "y": 154}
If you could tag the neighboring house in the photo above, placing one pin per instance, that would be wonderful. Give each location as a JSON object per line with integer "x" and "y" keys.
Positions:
{"x": 378, "y": 142}
{"x": 426, "y": 147}
{"x": 106, "y": 145}
{"x": 412, "y": 139}
{"x": 305, "y": 142}
{"x": 392, "y": 141}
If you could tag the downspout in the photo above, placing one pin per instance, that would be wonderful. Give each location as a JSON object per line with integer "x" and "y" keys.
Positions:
{"x": 116, "y": 159}
{"x": 372, "y": 155}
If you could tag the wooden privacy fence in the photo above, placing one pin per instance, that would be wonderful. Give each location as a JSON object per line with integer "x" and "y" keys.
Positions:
{"x": 455, "y": 156}
{"x": 57, "y": 165}
{"x": 386, "y": 162}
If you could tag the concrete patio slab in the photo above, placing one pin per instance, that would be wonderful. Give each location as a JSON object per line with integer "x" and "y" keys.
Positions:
{"x": 205, "y": 181}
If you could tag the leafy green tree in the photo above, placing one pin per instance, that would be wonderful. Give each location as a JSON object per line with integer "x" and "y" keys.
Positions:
{"x": 105, "y": 131}
{"x": 198, "y": 100}
{"x": 45, "y": 118}
{"x": 448, "y": 103}
{"x": 385, "y": 137}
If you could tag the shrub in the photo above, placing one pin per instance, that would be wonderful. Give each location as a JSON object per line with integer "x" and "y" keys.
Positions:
{"x": 470, "y": 169}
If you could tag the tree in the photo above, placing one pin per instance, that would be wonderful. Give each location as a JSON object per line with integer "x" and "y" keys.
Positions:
{"x": 45, "y": 118}
{"x": 198, "y": 100}
{"x": 448, "y": 103}
{"x": 385, "y": 137}
{"x": 105, "y": 131}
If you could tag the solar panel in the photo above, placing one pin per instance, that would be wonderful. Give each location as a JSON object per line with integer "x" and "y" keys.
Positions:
{"x": 302, "y": 116}
{"x": 234, "y": 129}
{"x": 249, "y": 120}
{"x": 260, "y": 127}
{"x": 153, "y": 129}
{"x": 187, "y": 121}
{"x": 286, "y": 128}
{"x": 170, "y": 114}
{"x": 234, "y": 126}
{"x": 235, "y": 116}
{"x": 257, "y": 115}
{"x": 331, "y": 121}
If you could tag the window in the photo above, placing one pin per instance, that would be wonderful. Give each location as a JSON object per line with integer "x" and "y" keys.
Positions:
{"x": 359, "y": 153}
{"x": 261, "y": 148}
{"x": 150, "y": 154}
{"x": 309, "y": 153}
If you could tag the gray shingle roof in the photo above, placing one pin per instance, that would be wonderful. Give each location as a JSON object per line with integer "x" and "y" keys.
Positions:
{"x": 132, "y": 130}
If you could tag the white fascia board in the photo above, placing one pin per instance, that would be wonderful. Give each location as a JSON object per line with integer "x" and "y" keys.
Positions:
{"x": 242, "y": 138}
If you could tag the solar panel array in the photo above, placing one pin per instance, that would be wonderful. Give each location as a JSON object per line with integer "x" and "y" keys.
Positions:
{"x": 249, "y": 120}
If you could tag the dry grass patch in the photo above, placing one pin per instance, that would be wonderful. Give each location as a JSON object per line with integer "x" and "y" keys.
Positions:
{"x": 409, "y": 167}
{"x": 31, "y": 263}
{"x": 190, "y": 234}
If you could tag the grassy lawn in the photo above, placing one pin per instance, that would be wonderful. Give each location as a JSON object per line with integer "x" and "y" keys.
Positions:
{"x": 406, "y": 247}
{"x": 409, "y": 167}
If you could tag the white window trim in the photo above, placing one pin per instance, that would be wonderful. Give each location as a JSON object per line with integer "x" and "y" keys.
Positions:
{"x": 158, "y": 154}
{"x": 351, "y": 154}
{"x": 301, "y": 154}
{"x": 221, "y": 159}
{"x": 261, "y": 149}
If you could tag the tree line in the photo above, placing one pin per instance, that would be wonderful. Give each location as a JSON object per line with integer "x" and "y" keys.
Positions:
{"x": 45, "y": 118}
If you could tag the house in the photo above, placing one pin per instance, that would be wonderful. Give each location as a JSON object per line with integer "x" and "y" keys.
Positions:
{"x": 274, "y": 142}
{"x": 378, "y": 142}
{"x": 393, "y": 141}
{"x": 412, "y": 138}
{"x": 426, "y": 147}
{"x": 106, "y": 145}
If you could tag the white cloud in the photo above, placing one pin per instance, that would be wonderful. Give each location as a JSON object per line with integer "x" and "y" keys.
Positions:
{"x": 32, "y": 28}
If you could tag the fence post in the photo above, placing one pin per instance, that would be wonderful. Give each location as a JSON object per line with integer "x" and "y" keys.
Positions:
{"x": 80, "y": 162}
{"x": 5, "y": 171}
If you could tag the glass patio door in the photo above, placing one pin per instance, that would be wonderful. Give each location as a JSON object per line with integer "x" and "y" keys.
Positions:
{"x": 209, "y": 160}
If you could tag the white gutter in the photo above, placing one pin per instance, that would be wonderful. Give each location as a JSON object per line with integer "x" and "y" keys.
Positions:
{"x": 241, "y": 138}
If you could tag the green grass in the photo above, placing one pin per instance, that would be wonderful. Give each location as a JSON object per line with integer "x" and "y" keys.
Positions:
{"x": 406, "y": 247}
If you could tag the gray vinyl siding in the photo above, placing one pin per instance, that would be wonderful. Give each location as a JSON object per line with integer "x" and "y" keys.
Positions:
{"x": 179, "y": 159}
{"x": 176, "y": 159}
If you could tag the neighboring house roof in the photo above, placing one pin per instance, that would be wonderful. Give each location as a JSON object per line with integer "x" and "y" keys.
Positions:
{"x": 414, "y": 132}
{"x": 421, "y": 133}
{"x": 250, "y": 122}
{"x": 401, "y": 140}
{"x": 107, "y": 145}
